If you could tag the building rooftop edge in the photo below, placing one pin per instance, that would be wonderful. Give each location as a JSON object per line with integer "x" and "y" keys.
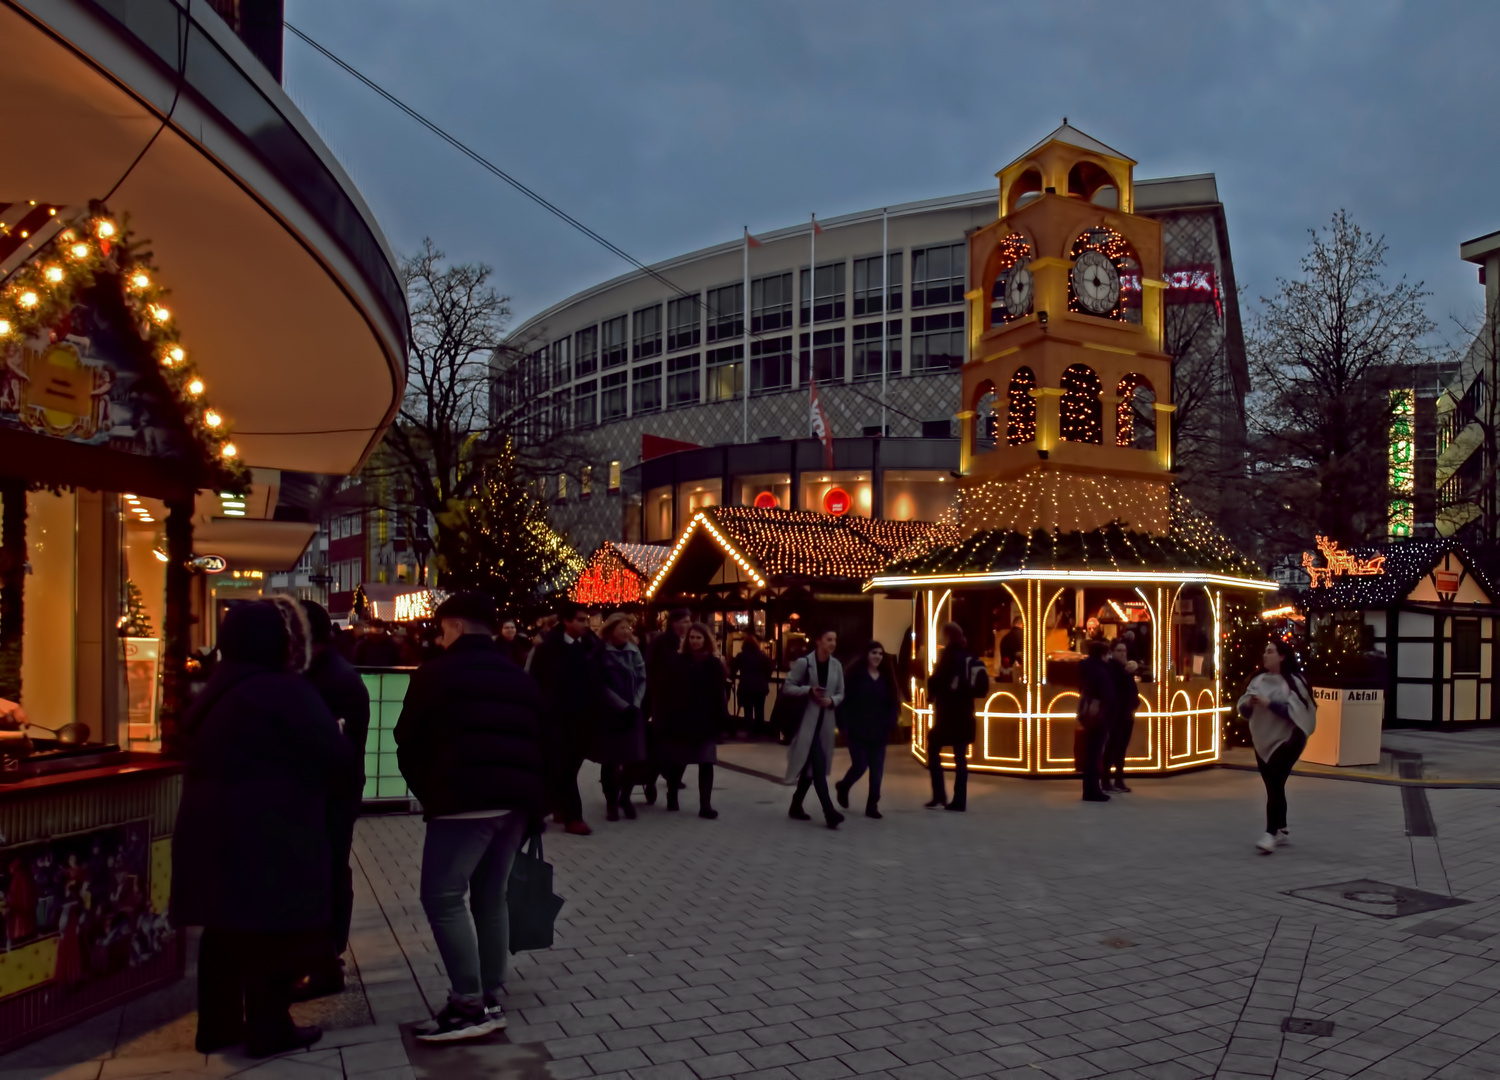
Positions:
{"x": 941, "y": 202}
{"x": 1476, "y": 249}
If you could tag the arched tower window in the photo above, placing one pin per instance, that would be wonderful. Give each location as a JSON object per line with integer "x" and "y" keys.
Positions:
{"x": 1106, "y": 277}
{"x": 1011, "y": 292}
{"x": 1020, "y": 408}
{"x": 1026, "y": 189}
{"x": 986, "y": 418}
{"x": 1135, "y": 415}
{"x": 1087, "y": 180}
{"x": 1082, "y": 418}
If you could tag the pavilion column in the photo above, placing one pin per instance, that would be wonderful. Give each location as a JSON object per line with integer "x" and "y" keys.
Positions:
{"x": 12, "y": 583}
{"x": 177, "y": 624}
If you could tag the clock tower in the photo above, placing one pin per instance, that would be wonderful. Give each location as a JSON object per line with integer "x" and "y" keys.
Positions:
{"x": 1066, "y": 392}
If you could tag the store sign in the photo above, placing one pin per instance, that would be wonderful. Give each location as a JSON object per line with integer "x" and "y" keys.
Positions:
{"x": 208, "y": 564}
{"x": 836, "y": 501}
{"x": 1446, "y": 582}
{"x": 767, "y": 500}
{"x": 1339, "y": 563}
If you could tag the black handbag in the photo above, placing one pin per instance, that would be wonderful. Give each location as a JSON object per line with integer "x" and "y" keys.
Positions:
{"x": 529, "y": 898}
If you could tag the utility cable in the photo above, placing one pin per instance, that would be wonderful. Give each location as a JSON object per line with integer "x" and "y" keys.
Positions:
{"x": 187, "y": 33}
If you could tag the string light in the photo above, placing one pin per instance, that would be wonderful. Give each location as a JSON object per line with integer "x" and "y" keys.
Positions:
{"x": 53, "y": 274}
{"x": 139, "y": 280}
{"x": 28, "y": 299}
{"x": 1014, "y": 250}
{"x": 229, "y": 450}
{"x": 1118, "y": 251}
{"x": 1020, "y": 408}
{"x": 212, "y": 419}
{"x": 1081, "y": 418}
{"x": 79, "y": 251}
{"x": 195, "y": 387}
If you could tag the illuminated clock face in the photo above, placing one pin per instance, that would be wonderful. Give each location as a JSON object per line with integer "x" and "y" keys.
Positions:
{"x": 1096, "y": 283}
{"x": 1018, "y": 290}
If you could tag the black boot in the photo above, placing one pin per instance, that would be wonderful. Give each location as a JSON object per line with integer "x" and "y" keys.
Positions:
{"x": 797, "y": 796}
{"x": 706, "y": 792}
{"x": 872, "y": 810}
{"x": 842, "y": 793}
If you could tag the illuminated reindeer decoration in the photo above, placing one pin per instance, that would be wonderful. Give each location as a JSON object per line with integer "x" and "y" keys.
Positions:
{"x": 1339, "y": 562}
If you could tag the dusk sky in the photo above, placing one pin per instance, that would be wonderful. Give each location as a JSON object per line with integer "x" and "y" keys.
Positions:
{"x": 667, "y": 126}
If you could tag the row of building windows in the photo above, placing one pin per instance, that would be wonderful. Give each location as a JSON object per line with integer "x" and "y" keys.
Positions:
{"x": 718, "y": 315}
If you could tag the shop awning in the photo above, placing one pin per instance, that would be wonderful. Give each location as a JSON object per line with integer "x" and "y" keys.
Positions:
{"x": 281, "y": 283}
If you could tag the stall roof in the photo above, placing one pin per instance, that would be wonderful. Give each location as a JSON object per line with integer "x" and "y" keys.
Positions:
{"x": 644, "y": 559}
{"x": 796, "y": 544}
{"x": 1191, "y": 544}
{"x": 1390, "y": 573}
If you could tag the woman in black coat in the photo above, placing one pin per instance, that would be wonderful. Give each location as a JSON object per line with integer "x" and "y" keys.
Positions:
{"x": 955, "y": 682}
{"x": 1096, "y": 712}
{"x": 867, "y": 715}
{"x": 251, "y": 853}
{"x": 694, "y": 709}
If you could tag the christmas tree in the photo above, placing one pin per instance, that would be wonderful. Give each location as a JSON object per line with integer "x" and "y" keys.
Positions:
{"x": 136, "y": 622}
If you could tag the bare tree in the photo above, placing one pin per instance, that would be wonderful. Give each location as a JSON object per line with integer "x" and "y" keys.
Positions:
{"x": 1324, "y": 351}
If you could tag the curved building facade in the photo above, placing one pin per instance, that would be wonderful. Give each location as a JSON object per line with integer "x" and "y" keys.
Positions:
{"x": 869, "y": 309}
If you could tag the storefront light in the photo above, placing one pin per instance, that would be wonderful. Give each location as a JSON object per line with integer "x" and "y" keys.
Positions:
{"x": 53, "y": 274}
{"x": 161, "y": 556}
{"x": 195, "y": 387}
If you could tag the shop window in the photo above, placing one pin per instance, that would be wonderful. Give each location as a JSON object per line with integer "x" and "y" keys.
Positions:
{"x": 847, "y": 492}
{"x": 1082, "y": 417}
{"x": 657, "y": 507}
{"x": 614, "y": 477}
{"x": 1020, "y": 408}
{"x": 585, "y": 481}
{"x": 917, "y": 494}
{"x": 766, "y": 490}
{"x": 693, "y": 497}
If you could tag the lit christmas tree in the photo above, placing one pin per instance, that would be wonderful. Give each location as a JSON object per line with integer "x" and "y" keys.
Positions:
{"x": 136, "y": 622}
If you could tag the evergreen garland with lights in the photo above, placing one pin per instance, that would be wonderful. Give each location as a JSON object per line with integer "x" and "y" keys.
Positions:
{"x": 41, "y": 295}
{"x": 135, "y": 622}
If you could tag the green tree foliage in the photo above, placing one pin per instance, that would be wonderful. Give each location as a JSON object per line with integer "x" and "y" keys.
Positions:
{"x": 502, "y": 543}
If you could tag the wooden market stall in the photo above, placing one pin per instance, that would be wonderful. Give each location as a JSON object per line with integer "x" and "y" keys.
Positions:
{"x": 617, "y": 574}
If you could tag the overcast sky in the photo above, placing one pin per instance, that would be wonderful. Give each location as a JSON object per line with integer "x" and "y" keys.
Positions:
{"x": 667, "y": 125}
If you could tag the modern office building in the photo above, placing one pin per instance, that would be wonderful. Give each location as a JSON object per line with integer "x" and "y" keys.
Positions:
{"x": 879, "y": 325}
{"x": 1467, "y": 415}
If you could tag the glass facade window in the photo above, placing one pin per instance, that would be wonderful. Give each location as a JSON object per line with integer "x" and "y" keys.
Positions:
{"x": 759, "y": 490}
{"x": 695, "y": 495}
{"x": 647, "y": 340}
{"x": 937, "y": 342}
{"x": 586, "y": 404}
{"x": 821, "y": 493}
{"x": 684, "y": 323}
{"x": 824, "y": 360}
{"x": 917, "y": 494}
{"x": 562, "y": 371}
{"x": 869, "y": 285}
{"x": 656, "y": 509}
{"x": 612, "y": 397}
{"x": 538, "y": 370}
{"x": 585, "y": 481}
{"x": 938, "y": 275}
{"x": 614, "y": 477}
{"x": 771, "y": 303}
{"x": 726, "y": 312}
{"x": 586, "y": 352}
{"x": 683, "y": 375}
{"x": 562, "y": 411}
{"x": 867, "y": 349}
{"x": 612, "y": 350}
{"x": 726, "y": 373}
{"x": 645, "y": 389}
{"x": 828, "y": 306}
{"x": 771, "y": 364}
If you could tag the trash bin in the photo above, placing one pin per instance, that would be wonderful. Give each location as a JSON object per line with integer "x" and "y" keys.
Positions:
{"x": 1350, "y": 719}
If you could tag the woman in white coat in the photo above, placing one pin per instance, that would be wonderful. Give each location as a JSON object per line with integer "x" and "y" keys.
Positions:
{"x": 1279, "y": 706}
{"x": 819, "y": 678}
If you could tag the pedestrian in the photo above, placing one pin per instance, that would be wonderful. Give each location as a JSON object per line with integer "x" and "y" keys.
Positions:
{"x": 377, "y": 648}
{"x": 817, "y": 681}
{"x": 958, "y": 678}
{"x": 250, "y": 851}
{"x": 1096, "y": 709}
{"x": 786, "y": 714}
{"x": 1122, "y": 722}
{"x": 344, "y": 692}
{"x": 1279, "y": 707}
{"x": 513, "y": 642}
{"x": 752, "y": 674}
{"x": 1013, "y": 644}
{"x": 468, "y": 743}
{"x": 867, "y": 717}
{"x": 661, "y": 655}
{"x": 561, "y": 665}
{"x": 618, "y": 737}
{"x": 693, "y": 712}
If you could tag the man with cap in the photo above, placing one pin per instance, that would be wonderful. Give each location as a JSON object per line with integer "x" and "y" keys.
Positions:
{"x": 467, "y": 743}
{"x": 344, "y": 692}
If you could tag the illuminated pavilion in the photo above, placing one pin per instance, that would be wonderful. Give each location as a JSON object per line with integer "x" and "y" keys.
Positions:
{"x": 1067, "y": 521}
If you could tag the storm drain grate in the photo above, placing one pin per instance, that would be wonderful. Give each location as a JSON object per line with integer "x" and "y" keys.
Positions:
{"x": 1300, "y": 1025}
{"x": 1376, "y": 898}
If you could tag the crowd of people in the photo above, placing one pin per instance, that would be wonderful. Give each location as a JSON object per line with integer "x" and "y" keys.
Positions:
{"x": 493, "y": 734}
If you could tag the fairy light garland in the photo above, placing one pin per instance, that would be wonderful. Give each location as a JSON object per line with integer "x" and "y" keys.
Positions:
{"x": 43, "y": 292}
{"x": 1013, "y": 251}
{"x": 1020, "y": 408}
{"x": 1081, "y": 417}
{"x": 1117, "y": 250}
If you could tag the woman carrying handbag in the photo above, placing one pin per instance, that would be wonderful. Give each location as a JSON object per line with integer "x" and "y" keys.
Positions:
{"x": 818, "y": 680}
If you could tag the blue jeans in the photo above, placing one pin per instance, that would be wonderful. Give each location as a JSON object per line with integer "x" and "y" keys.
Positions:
{"x": 472, "y": 855}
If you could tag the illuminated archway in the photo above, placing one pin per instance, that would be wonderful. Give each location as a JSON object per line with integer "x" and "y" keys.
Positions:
{"x": 1135, "y": 415}
{"x": 1011, "y": 293}
{"x": 986, "y": 418}
{"x": 1020, "y": 408}
{"x": 1082, "y": 414}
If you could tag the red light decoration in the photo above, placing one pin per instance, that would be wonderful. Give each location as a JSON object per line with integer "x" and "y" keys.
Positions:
{"x": 836, "y": 501}
{"x": 767, "y": 500}
{"x": 600, "y": 586}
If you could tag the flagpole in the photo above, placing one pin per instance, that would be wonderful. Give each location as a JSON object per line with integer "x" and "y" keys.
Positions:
{"x": 745, "y": 346}
{"x": 885, "y": 311}
{"x": 812, "y": 300}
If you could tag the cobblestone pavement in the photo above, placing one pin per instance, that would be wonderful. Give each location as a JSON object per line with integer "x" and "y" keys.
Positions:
{"x": 1033, "y": 935}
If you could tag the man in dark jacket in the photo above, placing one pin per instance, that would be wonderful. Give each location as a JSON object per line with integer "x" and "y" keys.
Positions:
{"x": 343, "y": 691}
{"x": 1096, "y": 711}
{"x": 467, "y": 743}
{"x": 1122, "y": 723}
{"x": 661, "y": 654}
{"x": 752, "y": 673}
{"x": 561, "y": 668}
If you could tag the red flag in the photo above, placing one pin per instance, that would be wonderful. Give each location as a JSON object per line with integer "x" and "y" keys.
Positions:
{"x": 750, "y": 239}
{"x": 816, "y": 227}
{"x": 820, "y": 428}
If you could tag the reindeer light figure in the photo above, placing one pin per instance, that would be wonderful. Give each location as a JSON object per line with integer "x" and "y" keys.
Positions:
{"x": 1339, "y": 562}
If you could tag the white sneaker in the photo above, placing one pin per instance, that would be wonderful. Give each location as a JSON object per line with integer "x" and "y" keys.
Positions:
{"x": 1266, "y": 844}
{"x": 1282, "y": 837}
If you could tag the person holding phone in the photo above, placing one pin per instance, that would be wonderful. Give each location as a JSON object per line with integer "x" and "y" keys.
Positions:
{"x": 817, "y": 679}
{"x": 1280, "y": 709}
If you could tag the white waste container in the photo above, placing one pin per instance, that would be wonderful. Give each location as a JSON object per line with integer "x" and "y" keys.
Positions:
{"x": 1350, "y": 720}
